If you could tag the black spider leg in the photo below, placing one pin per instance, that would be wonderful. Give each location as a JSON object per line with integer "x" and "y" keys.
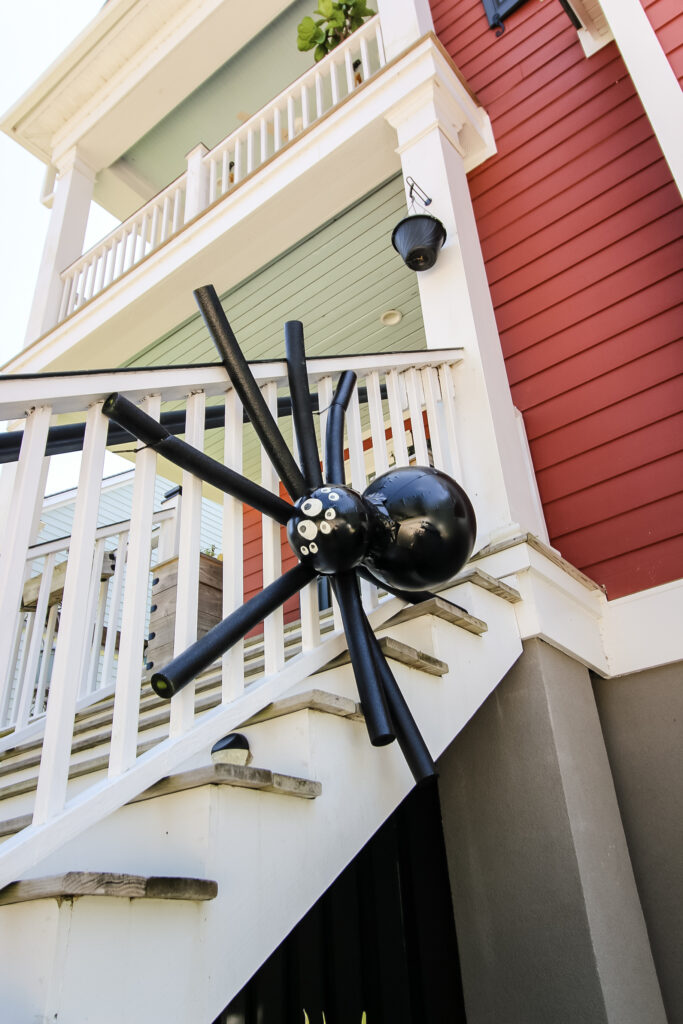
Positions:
{"x": 409, "y": 737}
{"x": 242, "y": 380}
{"x": 302, "y": 407}
{"x": 154, "y": 435}
{"x": 198, "y": 656}
{"x": 345, "y": 584}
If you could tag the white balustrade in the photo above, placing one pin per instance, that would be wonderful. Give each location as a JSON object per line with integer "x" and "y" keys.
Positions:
{"x": 76, "y": 629}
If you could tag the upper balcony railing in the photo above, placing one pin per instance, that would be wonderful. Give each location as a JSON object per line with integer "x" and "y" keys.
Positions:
{"x": 302, "y": 105}
{"x": 76, "y": 632}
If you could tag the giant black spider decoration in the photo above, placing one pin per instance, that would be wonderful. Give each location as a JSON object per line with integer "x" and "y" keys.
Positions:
{"x": 412, "y": 528}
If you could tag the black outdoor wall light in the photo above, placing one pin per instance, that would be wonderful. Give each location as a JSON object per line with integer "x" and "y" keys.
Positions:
{"x": 419, "y": 236}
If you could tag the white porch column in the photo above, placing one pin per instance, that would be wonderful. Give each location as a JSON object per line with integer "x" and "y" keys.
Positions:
{"x": 457, "y": 311}
{"x": 652, "y": 75}
{"x": 403, "y": 21}
{"x": 64, "y": 241}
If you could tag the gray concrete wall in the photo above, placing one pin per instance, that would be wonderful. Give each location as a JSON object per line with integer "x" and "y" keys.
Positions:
{"x": 550, "y": 927}
{"x": 642, "y": 722}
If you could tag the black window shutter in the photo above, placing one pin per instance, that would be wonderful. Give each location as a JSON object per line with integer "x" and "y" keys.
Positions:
{"x": 496, "y": 10}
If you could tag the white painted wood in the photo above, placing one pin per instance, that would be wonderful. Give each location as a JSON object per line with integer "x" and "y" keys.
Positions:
{"x": 46, "y": 660}
{"x": 435, "y": 416}
{"x": 325, "y": 392}
{"x": 129, "y": 672}
{"x": 8, "y": 681}
{"x": 63, "y": 242}
{"x": 416, "y": 420}
{"x": 348, "y": 68}
{"x": 365, "y": 65}
{"x": 263, "y": 155}
{"x": 182, "y": 705}
{"x": 273, "y": 627}
{"x": 402, "y": 22}
{"x": 397, "y": 418}
{"x": 250, "y": 151}
{"x": 319, "y": 102}
{"x": 334, "y": 81}
{"x": 377, "y": 424}
{"x": 305, "y": 111}
{"x": 28, "y": 683}
{"x": 96, "y": 649}
{"x": 652, "y": 75}
{"x": 291, "y": 125}
{"x": 447, "y": 384}
{"x": 233, "y": 548}
{"x": 27, "y": 636}
{"x": 277, "y": 129}
{"x": 114, "y": 609}
{"x": 52, "y": 780}
{"x": 358, "y": 477}
{"x": 26, "y": 497}
{"x": 88, "y": 620}
{"x": 197, "y": 184}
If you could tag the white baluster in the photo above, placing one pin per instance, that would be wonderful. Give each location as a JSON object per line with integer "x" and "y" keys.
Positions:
{"x": 34, "y": 649}
{"x": 380, "y": 47}
{"x": 143, "y": 236}
{"x": 114, "y": 607}
{"x": 54, "y": 765}
{"x": 348, "y": 68}
{"x": 416, "y": 418}
{"x": 273, "y": 630}
{"x": 250, "y": 151}
{"x": 121, "y": 254}
{"x": 178, "y": 210}
{"x": 66, "y": 297}
{"x": 435, "y": 417}
{"x": 96, "y": 646}
{"x": 358, "y": 476}
{"x": 334, "y": 84}
{"x": 182, "y": 705}
{"x": 21, "y": 681}
{"x": 305, "y": 113}
{"x": 46, "y": 660}
{"x": 165, "y": 212}
{"x": 277, "y": 129}
{"x": 446, "y": 380}
{"x": 101, "y": 267}
{"x": 237, "y": 169}
{"x": 17, "y": 633}
{"x": 397, "y": 418}
{"x": 154, "y": 233}
{"x": 291, "y": 123}
{"x": 213, "y": 179}
{"x": 90, "y": 614}
{"x": 233, "y": 548}
{"x": 127, "y": 700}
{"x": 377, "y": 426}
{"x": 225, "y": 171}
{"x": 366, "y": 69}
{"x": 319, "y": 100}
{"x": 264, "y": 140}
{"x": 27, "y": 498}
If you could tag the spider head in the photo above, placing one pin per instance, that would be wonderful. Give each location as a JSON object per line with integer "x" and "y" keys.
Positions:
{"x": 330, "y": 529}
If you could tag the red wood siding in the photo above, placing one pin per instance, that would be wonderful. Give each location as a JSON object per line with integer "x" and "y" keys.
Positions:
{"x": 666, "y": 18}
{"x": 581, "y": 226}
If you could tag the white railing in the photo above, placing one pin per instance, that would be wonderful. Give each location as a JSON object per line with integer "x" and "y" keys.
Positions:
{"x": 313, "y": 95}
{"x": 405, "y": 413}
{"x": 296, "y": 109}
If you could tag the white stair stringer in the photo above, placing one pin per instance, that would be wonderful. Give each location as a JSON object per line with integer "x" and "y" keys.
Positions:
{"x": 272, "y": 858}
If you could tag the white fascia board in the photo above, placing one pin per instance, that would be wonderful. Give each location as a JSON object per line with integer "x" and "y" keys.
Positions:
{"x": 644, "y": 630}
{"x": 652, "y": 76}
{"x": 128, "y": 69}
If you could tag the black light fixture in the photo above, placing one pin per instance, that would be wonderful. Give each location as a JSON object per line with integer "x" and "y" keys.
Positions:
{"x": 419, "y": 236}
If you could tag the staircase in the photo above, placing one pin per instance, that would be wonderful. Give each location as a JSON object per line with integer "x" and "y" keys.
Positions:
{"x": 127, "y": 854}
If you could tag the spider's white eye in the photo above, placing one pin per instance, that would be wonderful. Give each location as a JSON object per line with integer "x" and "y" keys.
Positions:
{"x": 307, "y": 529}
{"x": 325, "y": 527}
{"x": 324, "y": 490}
{"x": 334, "y": 496}
{"x": 304, "y": 549}
{"x": 313, "y": 548}
{"x": 312, "y": 507}
{"x": 330, "y": 513}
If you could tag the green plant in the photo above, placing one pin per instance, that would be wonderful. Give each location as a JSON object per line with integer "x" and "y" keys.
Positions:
{"x": 337, "y": 20}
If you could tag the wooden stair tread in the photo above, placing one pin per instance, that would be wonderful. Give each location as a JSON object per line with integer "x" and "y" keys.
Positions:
{"x": 244, "y": 776}
{"x": 89, "y": 883}
{"x": 399, "y": 651}
{"x": 442, "y": 609}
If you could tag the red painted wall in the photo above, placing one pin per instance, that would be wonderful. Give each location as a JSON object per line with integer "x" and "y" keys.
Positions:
{"x": 666, "y": 18}
{"x": 581, "y": 225}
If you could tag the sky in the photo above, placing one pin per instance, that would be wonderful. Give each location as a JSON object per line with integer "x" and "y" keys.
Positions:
{"x": 34, "y": 33}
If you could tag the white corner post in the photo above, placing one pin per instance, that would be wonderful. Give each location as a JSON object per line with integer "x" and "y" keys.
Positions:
{"x": 197, "y": 193}
{"x": 63, "y": 242}
{"x": 457, "y": 309}
{"x": 652, "y": 76}
{"x": 403, "y": 22}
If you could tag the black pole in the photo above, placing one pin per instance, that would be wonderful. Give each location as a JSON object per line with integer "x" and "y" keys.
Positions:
{"x": 411, "y": 596}
{"x": 155, "y": 436}
{"x": 334, "y": 434}
{"x": 246, "y": 387}
{"x": 409, "y": 737}
{"x": 368, "y": 680}
{"x": 198, "y": 656}
{"x": 302, "y": 407}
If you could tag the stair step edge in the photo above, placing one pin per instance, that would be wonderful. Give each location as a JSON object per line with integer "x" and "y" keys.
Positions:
{"x": 241, "y": 776}
{"x": 442, "y": 609}
{"x": 400, "y": 652}
{"x": 74, "y": 884}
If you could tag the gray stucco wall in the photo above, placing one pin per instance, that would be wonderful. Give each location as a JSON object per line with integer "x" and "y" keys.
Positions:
{"x": 549, "y": 923}
{"x": 642, "y": 721}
